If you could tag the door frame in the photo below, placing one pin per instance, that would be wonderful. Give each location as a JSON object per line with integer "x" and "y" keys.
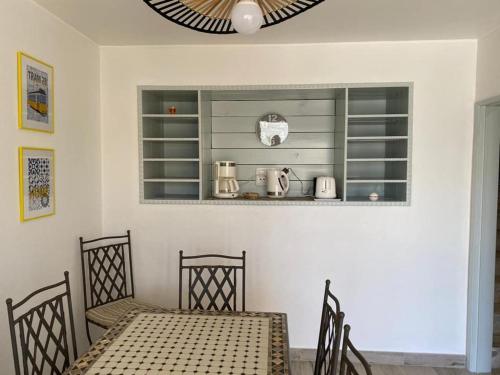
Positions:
{"x": 481, "y": 275}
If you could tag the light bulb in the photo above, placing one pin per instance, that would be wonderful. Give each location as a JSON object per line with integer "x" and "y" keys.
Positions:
{"x": 247, "y": 17}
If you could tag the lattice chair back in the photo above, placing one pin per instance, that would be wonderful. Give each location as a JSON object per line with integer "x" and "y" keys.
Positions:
{"x": 347, "y": 366}
{"x": 107, "y": 270}
{"x": 330, "y": 333}
{"x": 39, "y": 332}
{"x": 213, "y": 282}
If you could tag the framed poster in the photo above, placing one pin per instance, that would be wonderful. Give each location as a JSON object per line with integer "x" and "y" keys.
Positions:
{"x": 35, "y": 90}
{"x": 36, "y": 182}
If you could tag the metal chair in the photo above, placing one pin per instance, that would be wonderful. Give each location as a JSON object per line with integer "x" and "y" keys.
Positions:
{"x": 108, "y": 280}
{"x": 346, "y": 365}
{"x": 42, "y": 331}
{"x": 330, "y": 333}
{"x": 212, "y": 286}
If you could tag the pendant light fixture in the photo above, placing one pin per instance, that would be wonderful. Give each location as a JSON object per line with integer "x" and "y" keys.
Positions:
{"x": 247, "y": 17}
{"x": 229, "y": 16}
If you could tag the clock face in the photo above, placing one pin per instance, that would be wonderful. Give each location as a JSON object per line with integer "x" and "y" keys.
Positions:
{"x": 272, "y": 129}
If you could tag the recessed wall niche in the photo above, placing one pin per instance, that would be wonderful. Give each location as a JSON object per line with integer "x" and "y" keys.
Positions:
{"x": 359, "y": 134}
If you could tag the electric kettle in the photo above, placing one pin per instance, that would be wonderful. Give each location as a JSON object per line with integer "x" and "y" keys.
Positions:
{"x": 277, "y": 182}
{"x": 325, "y": 188}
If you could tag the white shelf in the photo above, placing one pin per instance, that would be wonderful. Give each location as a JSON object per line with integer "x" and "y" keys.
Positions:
{"x": 374, "y": 181}
{"x": 170, "y": 116}
{"x": 381, "y": 138}
{"x": 377, "y": 159}
{"x": 399, "y": 115}
{"x": 171, "y": 159}
{"x": 171, "y": 139}
{"x": 171, "y": 180}
{"x": 168, "y": 197}
{"x": 367, "y": 200}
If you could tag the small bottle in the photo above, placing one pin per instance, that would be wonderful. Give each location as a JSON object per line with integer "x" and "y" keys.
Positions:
{"x": 172, "y": 110}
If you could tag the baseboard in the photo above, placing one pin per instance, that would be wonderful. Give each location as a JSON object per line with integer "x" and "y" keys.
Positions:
{"x": 393, "y": 358}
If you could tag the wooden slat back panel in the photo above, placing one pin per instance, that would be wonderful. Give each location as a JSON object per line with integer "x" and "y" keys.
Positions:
{"x": 308, "y": 150}
{"x": 294, "y": 191}
{"x": 304, "y": 172}
{"x": 277, "y": 156}
{"x": 283, "y": 107}
{"x": 294, "y": 140}
{"x": 296, "y": 124}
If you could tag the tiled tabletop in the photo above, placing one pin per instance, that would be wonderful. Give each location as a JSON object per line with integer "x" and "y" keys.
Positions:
{"x": 164, "y": 341}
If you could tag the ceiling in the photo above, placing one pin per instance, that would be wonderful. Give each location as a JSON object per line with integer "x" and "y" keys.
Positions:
{"x": 132, "y": 22}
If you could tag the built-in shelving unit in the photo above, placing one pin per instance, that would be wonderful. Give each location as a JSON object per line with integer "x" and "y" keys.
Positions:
{"x": 377, "y": 143}
{"x": 169, "y": 145}
{"x": 359, "y": 134}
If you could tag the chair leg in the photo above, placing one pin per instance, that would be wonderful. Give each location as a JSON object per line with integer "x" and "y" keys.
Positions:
{"x": 88, "y": 331}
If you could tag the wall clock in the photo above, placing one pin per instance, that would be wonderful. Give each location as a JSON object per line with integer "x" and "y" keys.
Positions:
{"x": 272, "y": 129}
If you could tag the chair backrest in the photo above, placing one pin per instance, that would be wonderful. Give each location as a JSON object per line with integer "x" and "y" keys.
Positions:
{"x": 39, "y": 333}
{"x": 107, "y": 269}
{"x": 330, "y": 332}
{"x": 346, "y": 364}
{"x": 212, "y": 285}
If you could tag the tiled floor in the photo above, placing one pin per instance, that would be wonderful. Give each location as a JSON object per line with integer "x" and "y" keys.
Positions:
{"x": 306, "y": 368}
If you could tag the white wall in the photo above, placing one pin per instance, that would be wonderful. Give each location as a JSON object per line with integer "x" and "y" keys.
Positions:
{"x": 400, "y": 272}
{"x": 36, "y": 253}
{"x": 488, "y": 66}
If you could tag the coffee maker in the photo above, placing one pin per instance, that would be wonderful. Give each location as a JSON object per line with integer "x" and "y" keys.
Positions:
{"x": 225, "y": 183}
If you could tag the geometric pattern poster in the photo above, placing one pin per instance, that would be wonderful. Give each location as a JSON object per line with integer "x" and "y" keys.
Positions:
{"x": 35, "y": 94}
{"x": 36, "y": 182}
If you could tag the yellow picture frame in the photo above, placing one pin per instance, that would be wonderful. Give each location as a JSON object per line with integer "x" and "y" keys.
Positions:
{"x": 34, "y": 202}
{"x": 35, "y": 94}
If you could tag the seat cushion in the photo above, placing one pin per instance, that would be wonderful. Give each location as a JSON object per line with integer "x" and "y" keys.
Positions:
{"x": 106, "y": 315}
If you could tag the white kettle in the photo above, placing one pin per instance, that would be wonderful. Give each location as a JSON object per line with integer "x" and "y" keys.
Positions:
{"x": 277, "y": 182}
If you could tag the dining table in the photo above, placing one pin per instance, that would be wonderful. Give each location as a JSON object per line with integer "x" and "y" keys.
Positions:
{"x": 153, "y": 340}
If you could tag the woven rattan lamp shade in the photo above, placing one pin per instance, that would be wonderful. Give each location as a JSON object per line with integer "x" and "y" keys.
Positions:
{"x": 214, "y": 16}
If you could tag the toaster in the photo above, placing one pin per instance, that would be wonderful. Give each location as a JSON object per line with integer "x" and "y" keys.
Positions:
{"x": 325, "y": 188}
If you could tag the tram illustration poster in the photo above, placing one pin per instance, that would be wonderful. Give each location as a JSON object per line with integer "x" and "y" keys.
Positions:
{"x": 35, "y": 85}
{"x": 38, "y": 100}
